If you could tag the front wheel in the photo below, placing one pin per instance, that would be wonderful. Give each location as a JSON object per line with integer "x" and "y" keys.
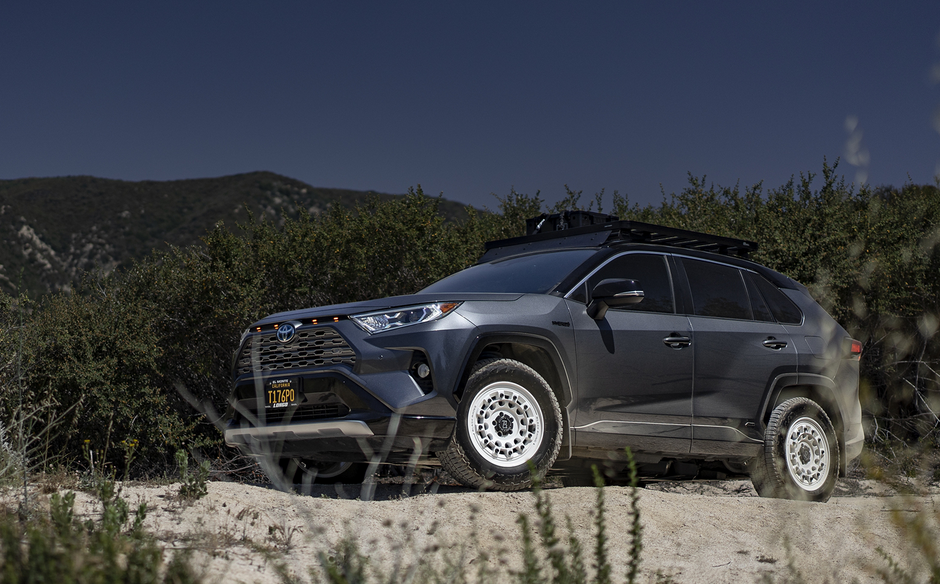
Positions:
{"x": 801, "y": 453}
{"x": 508, "y": 419}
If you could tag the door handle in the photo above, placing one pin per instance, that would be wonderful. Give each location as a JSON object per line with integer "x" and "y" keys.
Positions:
{"x": 676, "y": 341}
{"x": 772, "y": 343}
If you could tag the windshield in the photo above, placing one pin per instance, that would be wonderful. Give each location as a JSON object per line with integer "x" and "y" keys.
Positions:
{"x": 536, "y": 273}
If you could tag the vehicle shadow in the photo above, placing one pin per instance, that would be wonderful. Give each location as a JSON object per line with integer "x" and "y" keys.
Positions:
{"x": 378, "y": 491}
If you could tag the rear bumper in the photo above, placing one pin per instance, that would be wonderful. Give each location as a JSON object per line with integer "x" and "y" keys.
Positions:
{"x": 854, "y": 442}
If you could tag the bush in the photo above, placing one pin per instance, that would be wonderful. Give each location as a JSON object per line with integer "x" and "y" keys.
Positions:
{"x": 145, "y": 354}
{"x": 92, "y": 359}
{"x": 59, "y": 548}
{"x": 870, "y": 256}
{"x": 548, "y": 557}
{"x": 192, "y": 484}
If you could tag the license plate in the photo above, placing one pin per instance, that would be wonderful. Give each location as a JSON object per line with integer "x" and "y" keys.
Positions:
{"x": 281, "y": 393}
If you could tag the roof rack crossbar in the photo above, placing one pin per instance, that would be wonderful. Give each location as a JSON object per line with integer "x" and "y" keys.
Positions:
{"x": 616, "y": 230}
{"x": 671, "y": 236}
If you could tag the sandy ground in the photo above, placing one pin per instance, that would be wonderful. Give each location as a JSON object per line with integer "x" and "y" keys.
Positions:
{"x": 694, "y": 531}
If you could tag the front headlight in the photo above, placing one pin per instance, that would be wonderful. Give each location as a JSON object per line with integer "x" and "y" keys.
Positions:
{"x": 377, "y": 322}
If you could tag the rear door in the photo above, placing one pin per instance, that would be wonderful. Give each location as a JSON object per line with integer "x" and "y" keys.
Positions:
{"x": 634, "y": 386}
{"x": 740, "y": 350}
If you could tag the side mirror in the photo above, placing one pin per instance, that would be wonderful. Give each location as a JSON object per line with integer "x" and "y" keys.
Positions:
{"x": 611, "y": 293}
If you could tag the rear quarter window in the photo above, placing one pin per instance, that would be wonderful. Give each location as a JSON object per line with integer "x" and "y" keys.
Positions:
{"x": 783, "y": 309}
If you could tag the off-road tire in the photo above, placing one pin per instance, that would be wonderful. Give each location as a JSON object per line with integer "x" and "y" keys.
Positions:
{"x": 801, "y": 453}
{"x": 508, "y": 419}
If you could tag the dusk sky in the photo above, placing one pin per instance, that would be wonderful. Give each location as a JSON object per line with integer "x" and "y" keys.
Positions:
{"x": 469, "y": 99}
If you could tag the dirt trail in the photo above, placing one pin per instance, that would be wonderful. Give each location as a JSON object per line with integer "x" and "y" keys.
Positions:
{"x": 717, "y": 531}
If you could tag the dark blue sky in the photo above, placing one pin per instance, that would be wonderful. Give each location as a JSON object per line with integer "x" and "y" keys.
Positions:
{"x": 470, "y": 99}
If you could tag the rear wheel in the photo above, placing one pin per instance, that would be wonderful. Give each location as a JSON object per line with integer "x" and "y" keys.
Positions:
{"x": 508, "y": 419}
{"x": 801, "y": 453}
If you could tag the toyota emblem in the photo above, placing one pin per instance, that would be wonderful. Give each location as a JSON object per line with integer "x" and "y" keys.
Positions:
{"x": 285, "y": 332}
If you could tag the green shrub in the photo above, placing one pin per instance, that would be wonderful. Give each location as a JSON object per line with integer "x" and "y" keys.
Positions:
{"x": 91, "y": 359}
{"x": 870, "y": 256}
{"x": 59, "y": 548}
{"x": 547, "y": 557}
{"x": 193, "y": 484}
{"x": 146, "y": 353}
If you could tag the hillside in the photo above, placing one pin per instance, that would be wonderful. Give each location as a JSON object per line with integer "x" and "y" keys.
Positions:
{"x": 53, "y": 229}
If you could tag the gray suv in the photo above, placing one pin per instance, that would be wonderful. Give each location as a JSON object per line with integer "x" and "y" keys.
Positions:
{"x": 556, "y": 349}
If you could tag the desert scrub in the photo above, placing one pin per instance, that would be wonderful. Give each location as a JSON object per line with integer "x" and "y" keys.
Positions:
{"x": 566, "y": 564}
{"x": 193, "y": 485}
{"x": 871, "y": 256}
{"x": 115, "y": 548}
{"x": 550, "y": 554}
{"x": 59, "y": 548}
{"x": 920, "y": 529}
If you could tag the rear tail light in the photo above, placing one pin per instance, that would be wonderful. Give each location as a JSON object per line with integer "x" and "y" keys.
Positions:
{"x": 853, "y": 349}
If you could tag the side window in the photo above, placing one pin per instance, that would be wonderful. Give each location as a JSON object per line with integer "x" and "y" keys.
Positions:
{"x": 648, "y": 269}
{"x": 717, "y": 290}
{"x": 761, "y": 311}
{"x": 783, "y": 309}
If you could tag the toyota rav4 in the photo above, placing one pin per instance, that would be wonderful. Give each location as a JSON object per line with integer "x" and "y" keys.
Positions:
{"x": 559, "y": 348}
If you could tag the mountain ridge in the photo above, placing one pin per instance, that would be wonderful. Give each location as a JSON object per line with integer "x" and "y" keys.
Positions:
{"x": 52, "y": 230}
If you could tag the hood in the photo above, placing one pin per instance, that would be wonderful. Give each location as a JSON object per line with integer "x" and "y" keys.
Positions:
{"x": 350, "y": 308}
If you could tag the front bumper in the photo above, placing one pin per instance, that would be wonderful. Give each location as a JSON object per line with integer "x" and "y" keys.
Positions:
{"x": 389, "y": 439}
{"x": 302, "y": 431}
{"x": 355, "y": 409}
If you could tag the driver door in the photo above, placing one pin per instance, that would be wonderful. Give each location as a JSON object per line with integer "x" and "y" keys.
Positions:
{"x": 635, "y": 364}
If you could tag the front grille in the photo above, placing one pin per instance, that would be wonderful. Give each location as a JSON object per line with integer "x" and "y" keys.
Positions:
{"x": 310, "y": 348}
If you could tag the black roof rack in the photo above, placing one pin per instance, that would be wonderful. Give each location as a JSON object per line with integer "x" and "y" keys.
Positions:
{"x": 566, "y": 220}
{"x": 596, "y": 233}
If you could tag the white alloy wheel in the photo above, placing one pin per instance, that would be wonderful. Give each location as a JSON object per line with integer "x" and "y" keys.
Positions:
{"x": 807, "y": 454}
{"x": 801, "y": 453}
{"x": 508, "y": 429}
{"x": 505, "y": 424}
